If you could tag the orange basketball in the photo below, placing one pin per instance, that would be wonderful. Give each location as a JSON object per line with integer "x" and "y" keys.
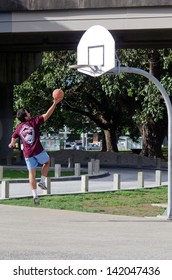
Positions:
{"x": 58, "y": 93}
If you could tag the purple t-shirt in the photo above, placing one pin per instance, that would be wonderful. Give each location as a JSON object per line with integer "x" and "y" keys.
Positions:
{"x": 29, "y": 133}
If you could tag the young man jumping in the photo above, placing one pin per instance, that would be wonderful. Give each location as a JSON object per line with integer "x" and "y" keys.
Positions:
{"x": 34, "y": 153}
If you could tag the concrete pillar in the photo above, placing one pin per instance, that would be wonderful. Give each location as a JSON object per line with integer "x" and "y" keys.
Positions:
{"x": 90, "y": 168}
{"x": 6, "y": 121}
{"x": 70, "y": 162}
{"x": 48, "y": 184}
{"x": 1, "y": 172}
{"x": 77, "y": 169}
{"x": 116, "y": 181}
{"x": 14, "y": 69}
{"x": 57, "y": 170}
{"x": 4, "y": 189}
{"x": 93, "y": 163}
{"x": 97, "y": 166}
{"x": 84, "y": 183}
{"x": 140, "y": 179}
{"x": 158, "y": 177}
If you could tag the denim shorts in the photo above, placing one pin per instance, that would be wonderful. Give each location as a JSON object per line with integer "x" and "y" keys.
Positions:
{"x": 33, "y": 162}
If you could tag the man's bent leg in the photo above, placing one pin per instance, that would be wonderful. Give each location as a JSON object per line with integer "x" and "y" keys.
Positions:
{"x": 45, "y": 168}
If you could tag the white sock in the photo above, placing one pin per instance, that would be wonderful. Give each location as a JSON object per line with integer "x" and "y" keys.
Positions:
{"x": 34, "y": 193}
{"x": 43, "y": 179}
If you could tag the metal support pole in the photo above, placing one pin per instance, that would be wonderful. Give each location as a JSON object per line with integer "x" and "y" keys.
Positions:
{"x": 117, "y": 70}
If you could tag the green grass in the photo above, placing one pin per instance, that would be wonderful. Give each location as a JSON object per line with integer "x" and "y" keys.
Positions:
{"x": 23, "y": 174}
{"x": 122, "y": 202}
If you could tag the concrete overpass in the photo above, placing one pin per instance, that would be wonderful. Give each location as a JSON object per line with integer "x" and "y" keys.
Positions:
{"x": 28, "y": 27}
{"x": 36, "y": 25}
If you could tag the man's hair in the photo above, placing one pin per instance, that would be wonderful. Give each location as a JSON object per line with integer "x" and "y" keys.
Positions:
{"x": 21, "y": 114}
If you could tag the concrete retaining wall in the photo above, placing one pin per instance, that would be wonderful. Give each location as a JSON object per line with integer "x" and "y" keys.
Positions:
{"x": 106, "y": 159}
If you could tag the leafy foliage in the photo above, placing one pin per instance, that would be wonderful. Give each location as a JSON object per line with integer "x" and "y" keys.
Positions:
{"x": 115, "y": 104}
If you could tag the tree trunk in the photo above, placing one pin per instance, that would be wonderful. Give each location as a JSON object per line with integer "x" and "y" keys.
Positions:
{"x": 154, "y": 64}
{"x": 152, "y": 132}
{"x": 109, "y": 141}
{"x": 152, "y": 135}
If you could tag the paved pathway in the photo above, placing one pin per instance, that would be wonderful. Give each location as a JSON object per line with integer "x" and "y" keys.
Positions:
{"x": 35, "y": 233}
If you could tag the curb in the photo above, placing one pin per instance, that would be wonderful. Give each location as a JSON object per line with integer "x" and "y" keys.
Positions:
{"x": 65, "y": 178}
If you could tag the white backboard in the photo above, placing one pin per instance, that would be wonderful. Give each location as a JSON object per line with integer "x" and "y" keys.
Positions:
{"x": 96, "y": 51}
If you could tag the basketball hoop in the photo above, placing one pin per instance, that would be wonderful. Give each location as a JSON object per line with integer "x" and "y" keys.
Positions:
{"x": 92, "y": 70}
{"x": 95, "y": 52}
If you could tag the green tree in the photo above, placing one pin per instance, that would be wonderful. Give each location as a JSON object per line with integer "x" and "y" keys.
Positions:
{"x": 151, "y": 115}
{"x": 93, "y": 102}
{"x": 125, "y": 102}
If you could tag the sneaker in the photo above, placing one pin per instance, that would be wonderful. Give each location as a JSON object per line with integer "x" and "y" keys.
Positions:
{"x": 36, "y": 201}
{"x": 42, "y": 185}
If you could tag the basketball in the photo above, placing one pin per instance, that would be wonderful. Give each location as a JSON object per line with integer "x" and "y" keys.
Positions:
{"x": 58, "y": 93}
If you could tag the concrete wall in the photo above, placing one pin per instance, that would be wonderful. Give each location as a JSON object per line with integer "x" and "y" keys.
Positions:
{"x": 17, "y": 5}
{"x": 106, "y": 159}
